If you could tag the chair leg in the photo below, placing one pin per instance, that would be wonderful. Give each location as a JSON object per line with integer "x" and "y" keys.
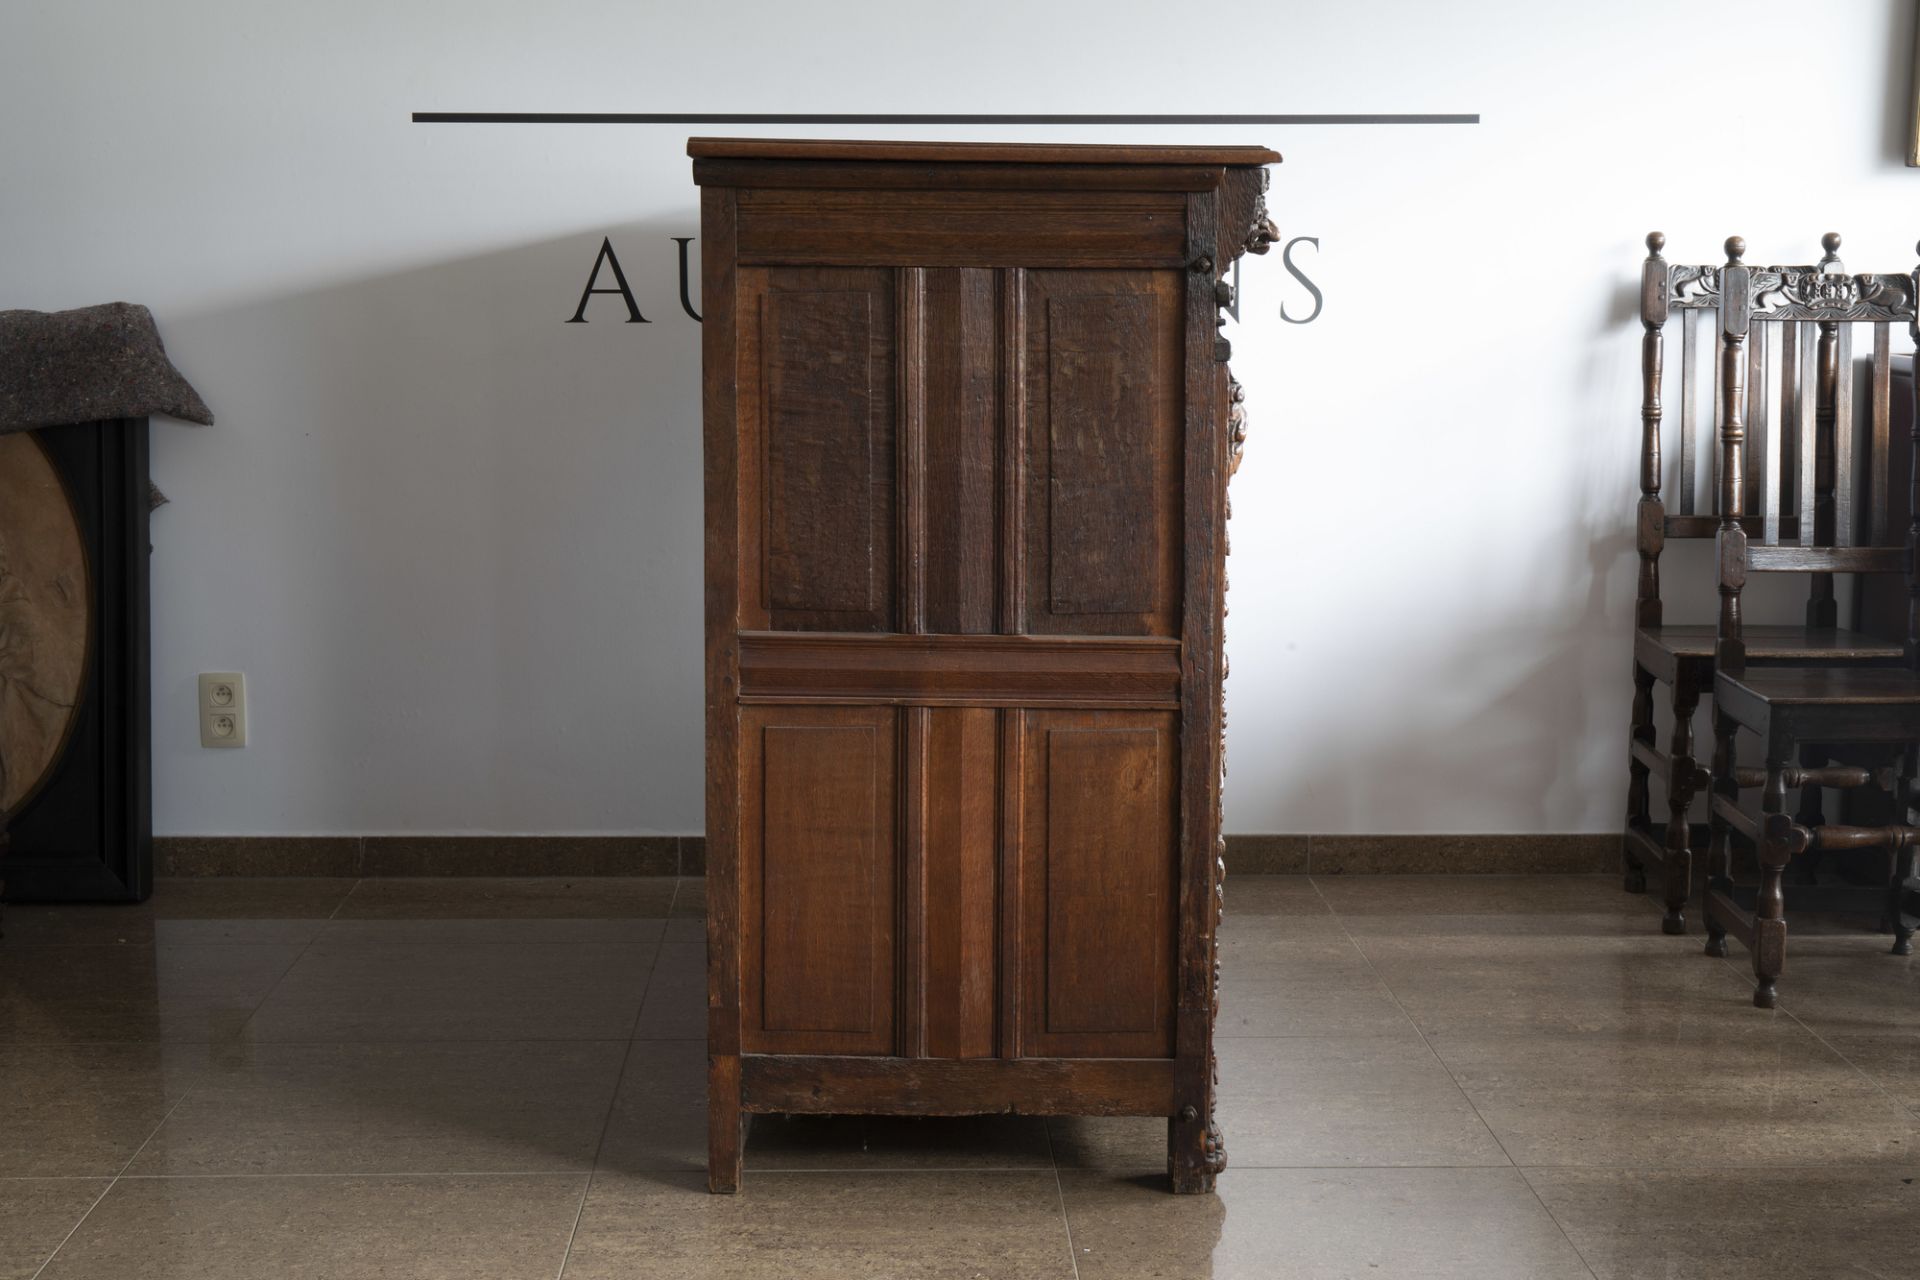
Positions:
{"x": 1897, "y": 918}
{"x": 1639, "y": 810}
{"x": 1769, "y": 908}
{"x": 1680, "y": 784}
{"x": 1719, "y": 859}
{"x": 1812, "y": 811}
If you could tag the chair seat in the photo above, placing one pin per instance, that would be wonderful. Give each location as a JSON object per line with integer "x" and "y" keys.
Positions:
{"x": 1777, "y": 643}
{"x": 1827, "y": 686}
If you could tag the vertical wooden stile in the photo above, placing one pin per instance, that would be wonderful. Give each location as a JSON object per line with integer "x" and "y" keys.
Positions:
{"x": 1690, "y": 322}
{"x": 1768, "y": 392}
{"x": 1809, "y": 430}
{"x": 1845, "y": 532}
{"x": 1879, "y": 445}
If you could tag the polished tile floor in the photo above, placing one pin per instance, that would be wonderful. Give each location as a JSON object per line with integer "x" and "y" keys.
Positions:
{"x": 1420, "y": 1077}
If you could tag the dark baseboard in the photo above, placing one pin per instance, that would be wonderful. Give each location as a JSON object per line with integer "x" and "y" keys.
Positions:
{"x": 687, "y": 855}
{"x": 429, "y": 855}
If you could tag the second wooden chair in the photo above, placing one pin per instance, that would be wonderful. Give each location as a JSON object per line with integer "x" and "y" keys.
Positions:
{"x": 1795, "y": 478}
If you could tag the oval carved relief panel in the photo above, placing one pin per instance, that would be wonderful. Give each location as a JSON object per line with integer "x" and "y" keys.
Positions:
{"x": 45, "y": 602}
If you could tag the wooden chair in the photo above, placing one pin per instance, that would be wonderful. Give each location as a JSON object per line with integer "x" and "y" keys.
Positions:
{"x": 1797, "y": 425}
{"x": 1808, "y": 718}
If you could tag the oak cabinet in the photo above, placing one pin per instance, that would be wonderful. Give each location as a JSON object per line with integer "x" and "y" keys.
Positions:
{"x": 968, "y": 428}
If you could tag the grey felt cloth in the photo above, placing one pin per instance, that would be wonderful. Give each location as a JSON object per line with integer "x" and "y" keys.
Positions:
{"x": 88, "y": 365}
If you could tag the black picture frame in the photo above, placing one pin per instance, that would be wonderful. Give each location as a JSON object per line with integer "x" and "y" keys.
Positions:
{"x": 87, "y": 835}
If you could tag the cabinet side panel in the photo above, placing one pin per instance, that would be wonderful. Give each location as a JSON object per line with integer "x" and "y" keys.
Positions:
{"x": 1103, "y": 399}
{"x": 826, "y": 393}
{"x": 1098, "y": 942}
{"x": 821, "y": 878}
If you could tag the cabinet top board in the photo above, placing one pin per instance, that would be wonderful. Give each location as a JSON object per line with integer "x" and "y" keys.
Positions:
{"x": 973, "y": 152}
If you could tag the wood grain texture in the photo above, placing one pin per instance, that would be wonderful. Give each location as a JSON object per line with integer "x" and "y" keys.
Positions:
{"x": 957, "y": 1087}
{"x": 961, "y": 228}
{"x": 722, "y": 484}
{"x": 827, "y": 398}
{"x": 960, "y": 987}
{"x": 1099, "y": 875}
{"x": 46, "y": 606}
{"x": 1103, "y": 431}
{"x": 954, "y": 670}
{"x": 962, "y": 413}
{"x": 819, "y": 856}
{"x": 981, "y": 434}
{"x": 1195, "y": 1150}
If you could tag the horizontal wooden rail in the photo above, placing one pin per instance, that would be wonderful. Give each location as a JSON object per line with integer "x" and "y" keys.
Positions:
{"x": 1839, "y": 776}
{"x": 1729, "y": 809}
{"x": 1707, "y": 526}
{"x": 948, "y": 670}
{"x": 1770, "y": 559}
{"x": 1830, "y": 838}
{"x": 957, "y": 1086}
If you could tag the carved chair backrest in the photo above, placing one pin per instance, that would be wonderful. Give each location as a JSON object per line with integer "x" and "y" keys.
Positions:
{"x": 1787, "y": 401}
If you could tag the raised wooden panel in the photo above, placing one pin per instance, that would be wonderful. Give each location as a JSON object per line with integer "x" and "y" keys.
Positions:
{"x": 818, "y": 860}
{"x": 823, "y": 343}
{"x": 961, "y": 320}
{"x": 1100, "y": 466}
{"x": 1098, "y": 883}
{"x": 960, "y": 880}
{"x": 1103, "y": 431}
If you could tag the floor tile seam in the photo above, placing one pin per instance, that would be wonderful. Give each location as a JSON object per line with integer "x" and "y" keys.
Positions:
{"x": 613, "y": 1104}
{"x": 239, "y": 1034}
{"x": 341, "y": 905}
{"x": 73, "y": 1230}
{"x": 1861, "y": 1071}
{"x": 646, "y": 989}
{"x": 1060, "y": 1193}
{"x": 1744, "y": 972}
{"x": 1465, "y": 1096}
{"x": 113, "y": 1182}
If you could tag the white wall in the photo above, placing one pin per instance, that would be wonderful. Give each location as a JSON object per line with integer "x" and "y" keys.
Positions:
{"x": 455, "y": 543}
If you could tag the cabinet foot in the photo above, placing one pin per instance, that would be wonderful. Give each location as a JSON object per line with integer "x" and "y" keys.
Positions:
{"x": 726, "y": 1125}
{"x": 1195, "y": 1155}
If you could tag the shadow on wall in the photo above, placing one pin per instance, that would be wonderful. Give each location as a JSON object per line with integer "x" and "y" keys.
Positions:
{"x": 1502, "y": 685}
{"x": 1492, "y": 692}
{"x": 455, "y": 542}
{"x": 1897, "y": 131}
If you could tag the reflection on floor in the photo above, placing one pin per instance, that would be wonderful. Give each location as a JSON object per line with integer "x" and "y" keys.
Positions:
{"x": 1420, "y": 1076}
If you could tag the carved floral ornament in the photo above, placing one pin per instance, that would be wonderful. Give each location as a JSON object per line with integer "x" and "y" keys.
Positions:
{"x": 1801, "y": 293}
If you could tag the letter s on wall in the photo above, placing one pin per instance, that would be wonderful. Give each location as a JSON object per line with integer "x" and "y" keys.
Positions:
{"x": 1286, "y": 259}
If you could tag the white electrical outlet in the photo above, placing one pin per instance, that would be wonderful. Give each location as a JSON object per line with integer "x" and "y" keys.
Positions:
{"x": 223, "y": 709}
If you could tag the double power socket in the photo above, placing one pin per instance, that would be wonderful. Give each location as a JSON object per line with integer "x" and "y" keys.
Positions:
{"x": 223, "y": 709}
